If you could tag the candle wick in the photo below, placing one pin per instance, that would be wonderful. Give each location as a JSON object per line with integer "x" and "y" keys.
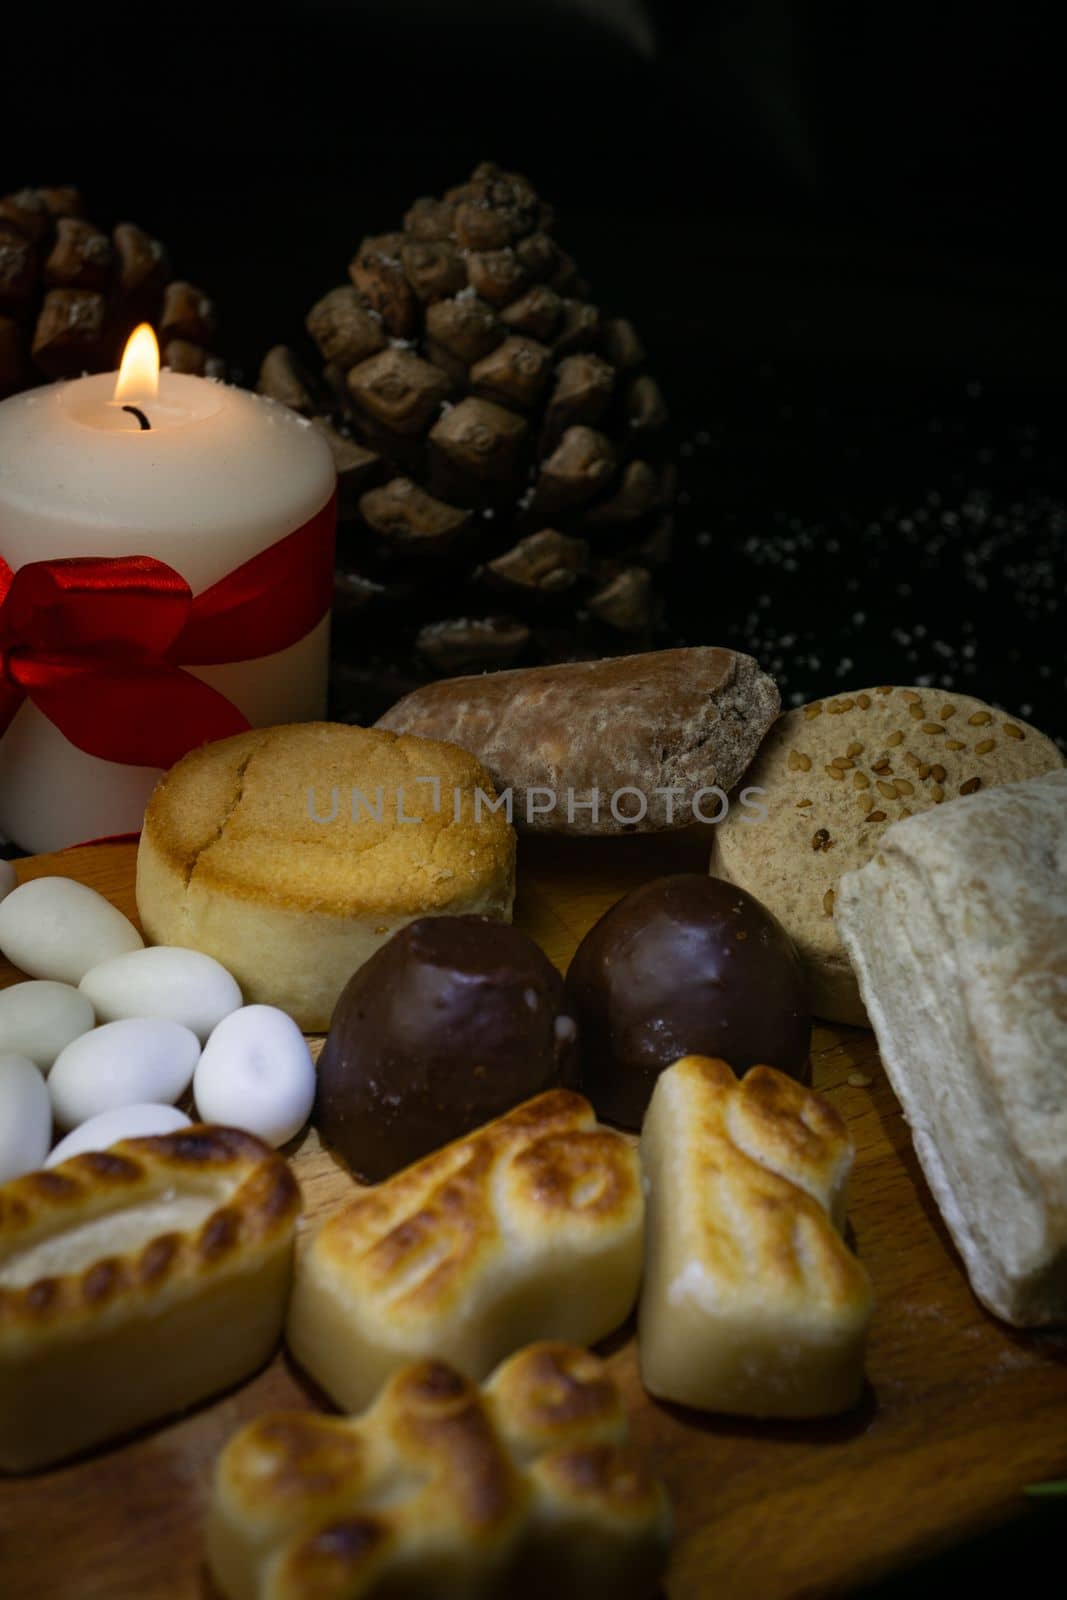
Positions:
{"x": 135, "y": 411}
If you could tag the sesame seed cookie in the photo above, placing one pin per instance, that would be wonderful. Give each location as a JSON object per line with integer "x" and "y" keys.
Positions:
{"x": 836, "y": 773}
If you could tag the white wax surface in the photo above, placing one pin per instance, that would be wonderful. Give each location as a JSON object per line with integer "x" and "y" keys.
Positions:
{"x": 221, "y": 475}
{"x": 203, "y": 494}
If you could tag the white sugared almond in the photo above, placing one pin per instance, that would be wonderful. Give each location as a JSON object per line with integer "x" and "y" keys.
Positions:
{"x": 59, "y": 928}
{"x": 25, "y": 1117}
{"x": 256, "y": 1073}
{"x": 128, "y": 1122}
{"x": 163, "y": 981}
{"x": 40, "y": 1018}
{"x": 137, "y": 1061}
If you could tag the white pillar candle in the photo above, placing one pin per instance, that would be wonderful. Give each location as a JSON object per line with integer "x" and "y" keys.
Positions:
{"x": 220, "y": 475}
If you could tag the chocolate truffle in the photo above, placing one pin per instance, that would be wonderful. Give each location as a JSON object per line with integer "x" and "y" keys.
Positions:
{"x": 686, "y": 965}
{"x": 451, "y": 1023}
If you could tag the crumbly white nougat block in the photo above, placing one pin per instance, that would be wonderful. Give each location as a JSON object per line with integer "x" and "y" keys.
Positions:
{"x": 957, "y": 930}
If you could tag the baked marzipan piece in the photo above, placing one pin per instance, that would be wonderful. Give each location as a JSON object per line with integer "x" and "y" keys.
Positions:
{"x": 135, "y": 1282}
{"x": 752, "y": 1302}
{"x": 528, "y": 1229}
{"x": 527, "y": 1487}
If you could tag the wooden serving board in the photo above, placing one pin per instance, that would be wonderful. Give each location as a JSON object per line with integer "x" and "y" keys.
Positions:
{"x": 958, "y": 1416}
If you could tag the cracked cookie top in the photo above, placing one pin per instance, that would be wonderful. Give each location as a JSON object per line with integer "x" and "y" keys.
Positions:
{"x": 332, "y": 819}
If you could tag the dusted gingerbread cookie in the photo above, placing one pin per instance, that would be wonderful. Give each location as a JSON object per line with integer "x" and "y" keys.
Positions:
{"x": 683, "y": 966}
{"x": 635, "y": 744}
{"x": 449, "y": 1025}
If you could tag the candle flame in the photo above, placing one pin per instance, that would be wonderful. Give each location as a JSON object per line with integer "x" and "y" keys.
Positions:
{"x": 139, "y": 373}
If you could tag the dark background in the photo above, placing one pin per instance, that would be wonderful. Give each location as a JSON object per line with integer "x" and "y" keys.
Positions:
{"x": 836, "y": 227}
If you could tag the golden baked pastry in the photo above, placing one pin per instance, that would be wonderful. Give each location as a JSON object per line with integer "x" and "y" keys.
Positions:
{"x": 752, "y": 1303}
{"x": 836, "y": 774}
{"x": 137, "y": 1281}
{"x": 291, "y": 854}
{"x": 529, "y": 1228}
{"x": 526, "y": 1488}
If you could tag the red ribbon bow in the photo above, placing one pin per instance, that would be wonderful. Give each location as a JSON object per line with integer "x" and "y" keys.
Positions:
{"x": 99, "y": 644}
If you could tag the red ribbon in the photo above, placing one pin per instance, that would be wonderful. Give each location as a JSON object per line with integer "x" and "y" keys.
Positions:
{"x": 99, "y": 643}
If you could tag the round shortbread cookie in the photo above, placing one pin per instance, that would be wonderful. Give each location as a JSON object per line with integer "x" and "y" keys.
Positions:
{"x": 835, "y": 774}
{"x": 292, "y": 854}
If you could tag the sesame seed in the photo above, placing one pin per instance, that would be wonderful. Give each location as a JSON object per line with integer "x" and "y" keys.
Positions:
{"x": 903, "y": 786}
{"x": 865, "y": 802}
{"x": 802, "y": 803}
{"x": 813, "y": 710}
{"x": 1013, "y": 732}
{"x": 843, "y": 763}
{"x": 971, "y": 786}
{"x": 863, "y": 701}
{"x": 946, "y": 712}
{"x": 983, "y": 747}
{"x": 938, "y": 794}
{"x": 933, "y": 727}
{"x": 885, "y": 688}
{"x": 924, "y": 769}
{"x": 911, "y": 698}
{"x": 937, "y": 772}
{"x": 980, "y": 718}
{"x": 955, "y": 744}
{"x": 828, "y": 902}
{"x": 883, "y": 764}
{"x": 876, "y": 816}
{"x": 886, "y": 789}
{"x": 912, "y": 760}
{"x": 895, "y": 738}
{"x": 915, "y": 710}
{"x": 834, "y": 772}
{"x": 860, "y": 780}
{"x": 854, "y": 749}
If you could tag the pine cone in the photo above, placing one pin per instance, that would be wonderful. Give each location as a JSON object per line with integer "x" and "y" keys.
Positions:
{"x": 499, "y": 446}
{"x": 70, "y": 294}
